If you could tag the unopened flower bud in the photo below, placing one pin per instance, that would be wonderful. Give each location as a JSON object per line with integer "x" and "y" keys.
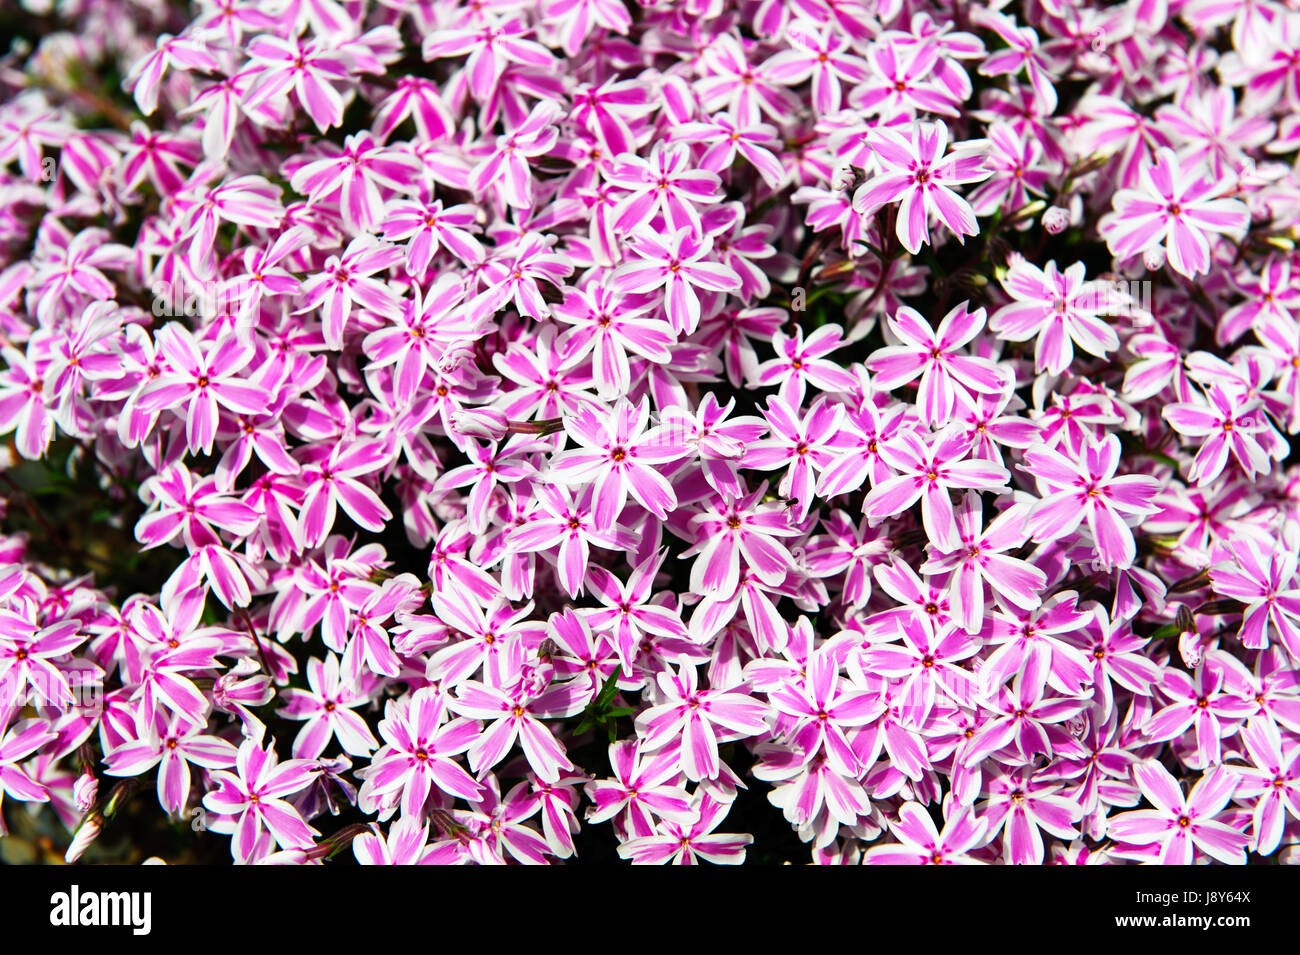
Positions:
{"x": 1189, "y": 648}
{"x": 84, "y": 792}
{"x": 1056, "y": 220}
{"x": 231, "y": 691}
{"x": 1154, "y": 257}
{"x": 86, "y": 833}
{"x": 486, "y": 423}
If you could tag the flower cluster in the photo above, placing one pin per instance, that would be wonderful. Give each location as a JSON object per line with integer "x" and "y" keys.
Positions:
{"x": 534, "y": 426}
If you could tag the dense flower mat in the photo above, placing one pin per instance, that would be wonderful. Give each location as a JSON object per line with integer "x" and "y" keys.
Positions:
{"x": 569, "y": 430}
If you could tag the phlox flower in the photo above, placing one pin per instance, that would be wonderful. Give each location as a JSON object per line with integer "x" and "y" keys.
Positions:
{"x": 420, "y": 746}
{"x": 1086, "y": 488}
{"x": 1273, "y": 778}
{"x": 405, "y": 844}
{"x": 688, "y": 843}
{"x": 1177, "y": 207}
{"x": 642, "y": 790}
{"x": 617, "y": 454}
{"x": 1055, "y": 308}
{"x": 950, "y": 380}
{"x": 926, "y": 472}
{"x": 919, "y": 172}
{"x": 255, "y": 792}
{"x": 353, "y": 179}
{"x": 1178, "y": 824}
{"x": 172, "y": 745}
{"x": 1268, "y": 587}
{"x": 921, "y": 843}
{"x": 693, "y": 721}
{"x": 680, "y": 265}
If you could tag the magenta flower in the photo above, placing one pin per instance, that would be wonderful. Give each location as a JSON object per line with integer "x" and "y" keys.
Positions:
{"x": 332, "y": 482}
{"x": 308, "y": 69}
{"x": 513, "y": 277}
{"x": 255, "y": 793}
{"x": 23, "y": 405}
{"x": 730, "y": 80}
{"x": 203, "y": 379}
{"x": 28, "y": 653}
{"x": 802, "y": 447}
{"x": 18, "y": 743}
{"x": 1268, "y": 587}
{"x": 326, "y": 707}
{"x": 687, "y": 843}
{"x": 693, "y": 721}
{"x": 1274, "y": 297}
{"x": 419, "y": 750}
{"x": 345, "y": 282}
{"x": 567, "y": 522}
{"x": 494, "y": 828}
{"x": 927, "y": 473}
{"x": 726, "y": 140}
{"x": 145, "y": 77}
{"x": 617, "y": 454}
{"x": 1226, "y": 424}
{"x": 718, "y": 439}
{"x": 1178, "y": 824}
{"x": 172, "y": 746}
{"x": 664, "y": 184}
{"x": 822, "y": 55}
{"x": 491, "y": 47}
{"x": 485, "y": 634}
{"x": 1021, "y": 716}
{"x": 921, "y": 843}
{"x": 628, "y": 611}
{"x": 981, "y": 559}
{"x": 1017, "y": 172}
{"x": 1042, "y": 635}
{"x": 1024, "y": 51}
{"x": 1179, "y": 208}
{"x": 1020, "y": 808}
{"x": 551, "y": 379}
{"x": 902, "y": 82}
{"x": 679, "y": 265}
{"x": 265, "y": 276}
{"x": 918, "y": 172}
{"x": 490, "y": 467}
{"x": 405, "y": 844}
{"x": 426, "y": 227}
{"x": 354, "y": 177}
{"x": 433, "y": 332}
{"x": 729, "y": 531}
{"x": 507, "y": 168}
{"x": 1087, "y": 488}
{"x": 801, "y": 361}
{"x": 1203, "y": 704}
{"x": 1273, "y": 779}
{"x": 193, "y": 509}
{"x": 950, "y": 380}
{"x": 869, "y": 429}
{"x": 849, "y": 549}
{"x": 251, "y": 201}
{"x": 642, "y": 789}
{"x": 822, "y": 709}
{"x": 513, "y": 714}
{"x": 612, "y": 329}
{"x": 1055, "y": 308}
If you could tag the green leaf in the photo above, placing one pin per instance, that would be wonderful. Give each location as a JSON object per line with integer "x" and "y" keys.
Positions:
{"x": 606, "y": 694}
